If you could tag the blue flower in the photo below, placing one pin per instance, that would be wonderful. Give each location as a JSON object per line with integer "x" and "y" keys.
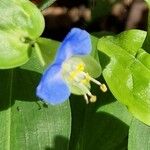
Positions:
{"x": 66, "y": 74}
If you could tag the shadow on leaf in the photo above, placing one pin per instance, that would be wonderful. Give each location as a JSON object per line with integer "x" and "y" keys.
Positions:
{"x": 60, "y": 143}
{"x": 17, "y": 84}
{"x": 104, "y": 59}
{"x": 93, "y": 128}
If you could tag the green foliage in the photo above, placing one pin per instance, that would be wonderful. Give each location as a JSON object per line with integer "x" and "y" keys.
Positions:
{"x": 127, "y": 73}
{"x": 148, "y": 2}
{"x": 21, "y": 23}
{"x": 27, "y": 123}
{"x": 102, "y": 125}
{"x": 48, "y": 49}
{"x": 139, "y": 134}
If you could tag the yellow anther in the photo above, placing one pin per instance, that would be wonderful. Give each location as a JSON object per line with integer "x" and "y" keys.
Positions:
{"x": 80, "y": 67}
{"x": 73, "y": 74}
{"x": 87, "y": 77}
{"x": 93, "y": 99}
{"x": 84, "y": 81}
{"x": 77, "y": 71}
{"x": 103, "y": 87}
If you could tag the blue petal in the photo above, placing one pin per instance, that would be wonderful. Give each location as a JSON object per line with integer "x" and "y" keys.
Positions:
{"x": 77, "y": 42}
{"x": 52, "y": 88}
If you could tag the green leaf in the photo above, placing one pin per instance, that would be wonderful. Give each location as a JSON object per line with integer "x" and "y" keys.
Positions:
{"x": 148, "y": 2}
{"x": 48, "y": 49}
{"x": 103, "y": 125}
{"x": 126, "y": 71}
{"x": 27, "y": 123}
{"x": 21, "y": 23}
{"x": 139, "y": 136}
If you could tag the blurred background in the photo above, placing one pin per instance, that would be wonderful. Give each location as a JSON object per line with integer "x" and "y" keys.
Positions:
{"x": 111, "y": 16}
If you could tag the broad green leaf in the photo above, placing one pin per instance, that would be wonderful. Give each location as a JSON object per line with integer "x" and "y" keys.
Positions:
{"x": 148, "y": 1}
{"x": 48, "y": 49}
{"x": 127, "y": 72}
{"x": 139, "y": 136}
{"x": 103, "y": 125}
{"x": 27, "y": 123}
{"x": 21, "y": 23}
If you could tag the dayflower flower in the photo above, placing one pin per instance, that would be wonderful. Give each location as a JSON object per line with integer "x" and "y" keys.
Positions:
{"x": 69, "y": 71}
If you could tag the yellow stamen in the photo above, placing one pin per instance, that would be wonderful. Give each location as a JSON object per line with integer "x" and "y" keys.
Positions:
{"x": 86, "y": 98}
{"x": 80, "y": 67}
{"x": 94, "y": 80}
{"x": 83, "y": 79}
{"x": 87, "y": 76}
{"x": 73, "y": 74}
{"x": 103, "y": 87}
{"x": 93, "y": 99}
{"x": 77, "y": 71}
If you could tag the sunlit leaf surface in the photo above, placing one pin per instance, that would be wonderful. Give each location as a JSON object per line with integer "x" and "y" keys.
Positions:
{"x": 21, "y": 23}
{"x": 127, "y": 71}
